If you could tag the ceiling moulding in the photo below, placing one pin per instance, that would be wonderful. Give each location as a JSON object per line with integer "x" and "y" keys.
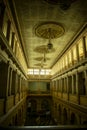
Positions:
{"x": 81, "y": 31}
{"x": 11, "y": 4}
{"x": 42, "y": 30}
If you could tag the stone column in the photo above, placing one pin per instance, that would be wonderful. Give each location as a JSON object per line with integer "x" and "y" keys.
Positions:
{"x": 67, "y": 61}
{"x": 77, "y": 87}
{"x": 12, "y": 40}
{"x": 15, "y": 49}
{"x": 85, "y": 73}
{"x": 20, "y": 87}
{"x": 8, "y": 30}
{"x": 4, "y": 76}
{"x": 68, "y": 116}
{"x": 67, "y": 87}
{"x": 77, "y": 52}
{"x": 51, "y": 87}
{"x": 61, "y": 87}
{"x": 72, "y": 57}
{"x": 10, "y": 81}
{"x": 6, "y": 69}
{"x": 84, "y": 47}
{"x": 58, "y": 115}
{"x": 62, "y": 116}
{"x": 15, "y": 87}
{"x": 72, "y": 84}
{"x": 56, "y": 86}
{"x": 65, "y": 84}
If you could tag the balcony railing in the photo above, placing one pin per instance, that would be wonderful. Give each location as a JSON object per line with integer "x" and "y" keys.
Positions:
{"x": 39, "y": 92}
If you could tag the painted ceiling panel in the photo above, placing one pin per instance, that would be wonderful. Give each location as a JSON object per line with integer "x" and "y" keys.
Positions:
{"x": 31, "y": 13}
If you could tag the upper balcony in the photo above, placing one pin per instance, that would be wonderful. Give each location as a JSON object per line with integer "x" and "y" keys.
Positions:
{"x": 39, "y": 93}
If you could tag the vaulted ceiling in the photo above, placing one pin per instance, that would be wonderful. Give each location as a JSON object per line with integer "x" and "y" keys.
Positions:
{"x": 36, "y": 17}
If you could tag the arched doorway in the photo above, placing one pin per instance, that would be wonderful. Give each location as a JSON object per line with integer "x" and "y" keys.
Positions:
{"x": 45, "y": 106}
{"x": 32, "y": 106}
{"x": 73, "y": 119}
{"x": 64, "y": 116}
{"x": 84, "y": 122}
{"x": 31, "y": 114}
{"x": 16, "y": 120}
{"x": 59, "y": 114}
{"x": 45, "y": 109}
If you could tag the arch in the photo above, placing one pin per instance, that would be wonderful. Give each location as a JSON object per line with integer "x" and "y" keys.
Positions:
{"x": 13, "y": 120}
{"x": 84, "y": 122}
{"x": 82, "y": 86}
{"x": 59, "y": 110}
{"x": 73, "y": 119}
{"x": 32, "y": 105}
{"x": 64, "y": 116}
{"x": 59, "y": 114}
{"x": 10, "y": 124}
{"x": 45, "y": 105}
{"x": 20, "y": 116}
{"x": 55, "y": 105}
{"x": 16, "y": 120}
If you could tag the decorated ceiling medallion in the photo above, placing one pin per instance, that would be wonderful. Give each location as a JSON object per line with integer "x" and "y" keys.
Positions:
{"x": 43, "y": 49}
{"x": 56, "y": 30}
{"x": 41, "y": 58}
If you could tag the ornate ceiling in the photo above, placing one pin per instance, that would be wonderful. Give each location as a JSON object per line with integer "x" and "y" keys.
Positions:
{"x": 36, "y": 17}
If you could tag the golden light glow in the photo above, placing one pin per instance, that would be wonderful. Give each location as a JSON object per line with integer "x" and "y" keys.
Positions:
{"x": 39, "y": 72}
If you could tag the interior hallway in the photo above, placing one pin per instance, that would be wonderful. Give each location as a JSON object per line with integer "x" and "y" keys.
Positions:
{"x": 43, "y": 82}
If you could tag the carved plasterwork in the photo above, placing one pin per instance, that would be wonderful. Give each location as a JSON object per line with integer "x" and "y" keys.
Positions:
{"x": 33, "y": 14}
{"x": 42, "y": 30}
{"x": 43, "y": 49}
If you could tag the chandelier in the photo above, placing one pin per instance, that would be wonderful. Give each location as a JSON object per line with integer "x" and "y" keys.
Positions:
{"x": 48, "y": 30}
{"x": 49, "y": 45}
